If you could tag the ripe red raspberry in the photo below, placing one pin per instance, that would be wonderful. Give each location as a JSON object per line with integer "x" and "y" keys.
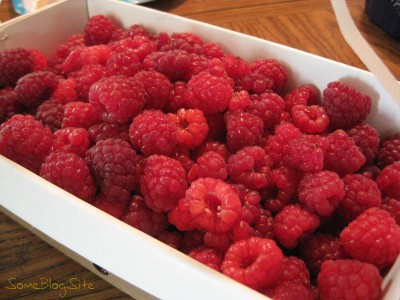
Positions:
{"x": 182, "y": 154}
{"x": 152, "y": 132}
{"x": 250, "y": 166}
{"x": 51, "y": 114}
{"x": 208, "y": 256}
{"x": 389, "y": 151}
{"x": 317, "y": 248}
{"x": 103, "y": 131}
{"x": 65, "y": 91}
{"x": 212, "y": 50}
{"x": 124, "y": 62}
{"x": 64, "y": 49}
{"x": 14, "y": 64}
{"x": 388, "y": 180}
{"x": 310, "y": 119}
{"x": 176, "y": 97}
{"x": 239, "y": 101}
{"x": 8, "y": 104}
{"x": 209, "y": 93}
{"x": 34, "y": 88}
{"x": 112, "y": 163}
{"x": 80, "y": 114}
{"x": 25, "y": 141}
{"x": 136, "y": 30}
{"x": 118, "y": 99}
{"x": 243, "y": 129}
{"x": 39, "y": 60}
{"x": 269, "y": 107}
{"x": 256, "y": 83}
{"x": 345, "y": 105}
{"x": 370, "y": 171}
{"x": 70, "y": 172}
{"x": 349, "y": 279}
{"x": 367, "y": 140}
{"x": 321, "y": 192}
{"x": 172, "y": 238}
{"x": 210, "y": 145}
{"x": 143, "y": 218}
{"x": 163, "y": 182}
{"x": 86, "y": 77}
{"x": 294, "y": 223}
{"x": 181, "y": 218}
{"x": 264, "y": 225}
{"x": 303, "y": 95}
{"x": 219, "y": 241}
{"x": 192, "y": 127}
{"x": 393, "y": 207}
{"x": 273, "y": 70}
{"x": 292, "y": 290}
{"x": 342, "y": 156}
{"x": 295, "y": 271}
{"x": 255, "y": 262}
{"x": 361, "y": 193}
{"x": 99, "y": 30}
{"x": 111, "y": 207}
{"x": 210, "y": 164}
{"x": 71, "y": 139}
{"x": 373, "y": 237}
{"x": 236, "y": 67}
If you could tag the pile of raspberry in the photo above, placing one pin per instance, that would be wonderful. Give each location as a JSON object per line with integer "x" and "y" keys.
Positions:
{"x": 287, "y": 190}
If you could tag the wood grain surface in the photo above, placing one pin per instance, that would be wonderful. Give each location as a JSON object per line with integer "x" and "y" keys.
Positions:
{"x": 306, "y": 25}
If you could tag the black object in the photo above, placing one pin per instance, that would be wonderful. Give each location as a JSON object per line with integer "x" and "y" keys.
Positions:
{"x": 386, "y": 15}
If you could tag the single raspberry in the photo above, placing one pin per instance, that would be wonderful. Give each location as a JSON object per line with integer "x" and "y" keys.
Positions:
{"x": 208, "y": 145}
{"x": 163, "y": 182}
{"x": 370, "y": 171}
{"x": 292, "y": 290}
{"x": 209, "y": 93}
{"x": 208, "y": 256}
{"x": 217, "y": 126}
{"x": 342, "y": 156}
{"x": 51, "y": 114}
{"x": 193, "y": 127}
{"x": 112, "y": 163}
{"x": 250, "y": 166}
{"x": 25, "y": 141}
{"x": 143, "y": 218}
{"x": 393, "y": 207}
{"x": 177, "y": 97}
{"x": 181, "y": 218}
{"x": 34, "y": 88}
{"x": 373, "y": 237}
{"x": 182, "y": 154}
{"x": 295, "y": 271}
{"x": 14, "y": 64}
{"x": 210, "y": 164}
{"x": 111, "y": 207}
{"x": 388, "y": 180}
{"x": 361, "y": 193}
{"x": 303, "y": 95}
{"x": 310, "y": 119}
{"x": 138, "y": 30}
{"x": 71, "y": 139}
{"x": 317, "y": 248}
{"x": 152, "y": 132}
{"x": 345, "y": 105}
{"x": 64, "y": 49}
{"x": 367, "y": 140}
{"x": 239, "y": 101}
{"x": 179, "y": 43}
{"x": 236, "y": 67}
{"x": 321, "y": 192}
{"x": 219, "y": 241}
{"x": 255, "y": 262}
{"x": 99, "y": 30}
{"x": 349, "y": 279}
{"x": 8, "y": 104}
{"x": 65, "y": 91}
{"x": 70, "y": 172}
{"x": 389, "y": 151}
{"x": 103, "y": 131}
{"x": 125, "y": 63}
{"x": 256, "y": 83}
{"x": 264, "y": 225}
{"x": 172, "y": 238}
{"x": 118, "y": 99}
{"x": 80, "y": 114}
{"x": 39, "y": 60}
{"x": 212, "y": 50}
{"x": 86, "y": 77}
{"x": 243, "y": 129}
{"x": 241, "y": 231}
{"x": 294, "y": 223}
{"x": 273, "y": 70}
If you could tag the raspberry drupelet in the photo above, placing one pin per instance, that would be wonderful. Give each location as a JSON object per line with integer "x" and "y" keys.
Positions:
{"x": 14, "y": 64}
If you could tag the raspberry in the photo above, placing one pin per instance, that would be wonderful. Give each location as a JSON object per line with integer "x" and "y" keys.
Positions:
{"x": 80, "y": 114}
{"x": 295, "y": 271}
{"x": 367, "y": 140}
{"x": 193, "y": 127}
{"x": 111, "y": 207}
{"x": 112, "y": 163}
{"x": 34, "y": 88}
{"x": 349, "y": 279}
{"x": 273, "y": 70}
{"x": 25, "y": 141}
{"x": 264, "y": 225}
{"x": 152, "y": 132}
{"x": 98, "y": 30}
{"x": 290, "y": 290}
{"x": 236, "y": 67}
{"x": 243, "y": 129}
{"x": 317, "y": 248}
{"x": 171, "y": 238}
{"x": 70, "y": 172}
{"x": 163, "y": 182}
{"x": 125, "y": 63}
{"x": 345, "y": 105}
{"x": 137, "y": 30}
{"x": 388, "y": 180}
{"x": 239, "y": 101}
{"x": 72, "y": 42}
{"x": 255, "y": 262}
{"x": 256, "y": 83}
{"x": 251, "y": 167}
{"x": 302, "y": 95}
{"x": 177, "y": 97}
{"x": 310, "y": 119}
{"x": 210, "y": 164}
{"x": 207, "y": 256}
{"x": 393, "y": 207}
{"x": 141, "y": 217}
{"x": 86, "y": 77}
{"x": 39, "y": 60}
{"x": 215, "y": 146}
{"x": 181, "y": 218}
{"x": 181, "y": 44}
{"x": 218, "y": 241}
{"x": 118, "y": 99}
{"x": 321, "y": 192}
{"x": 389, "y": 151}
{"x": 294, "y": 223}
{"x": 65, "y": 91}
{"x": 103, "y": 131}
{"x": 342, "y": 155}
{"x": 361, "y": 193}
{"x": 212, "y": 50}
{"x": 373, "y": 237}
{"x": 8, "y": 104}
{"x": 209, "y": 93}
{"x": 51, "y": 114}
{"x": 182, "y": 154}
{"x": 157, "y": 88}
{"x": 370, "y": 171}
{"x": 269, "y": 107}
{"x": 14, "y": 64}
{"x": 71, "y": 139}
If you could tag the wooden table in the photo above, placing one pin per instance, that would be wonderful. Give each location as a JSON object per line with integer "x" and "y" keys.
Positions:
{"x": 307, "y": 25}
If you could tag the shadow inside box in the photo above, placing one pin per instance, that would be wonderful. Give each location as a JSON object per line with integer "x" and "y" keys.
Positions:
{"x": 164, "y": 5}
